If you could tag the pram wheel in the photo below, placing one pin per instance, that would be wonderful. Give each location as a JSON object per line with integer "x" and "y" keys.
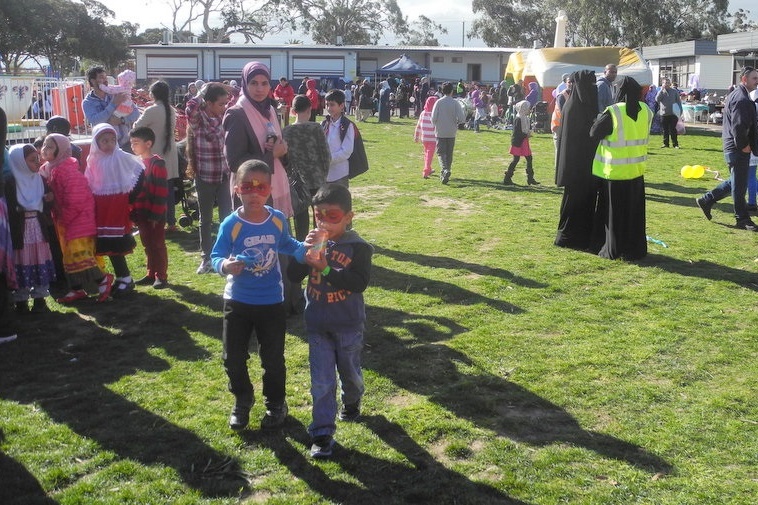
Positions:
{"x": 195, "y": 215}
{"x": 185, "y": 221}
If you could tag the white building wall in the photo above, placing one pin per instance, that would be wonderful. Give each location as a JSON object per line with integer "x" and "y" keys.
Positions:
{"x": 225, "y": 61}
{"x": 715, "y": 71}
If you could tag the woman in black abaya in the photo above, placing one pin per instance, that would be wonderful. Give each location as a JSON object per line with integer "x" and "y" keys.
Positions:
{"x": 620, "y": 215}
{"x": 574, "y": 168}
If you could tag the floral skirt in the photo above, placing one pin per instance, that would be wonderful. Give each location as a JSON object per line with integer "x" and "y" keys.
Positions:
{"x": 79, "y": 261}
{"x": 6, "y": 248}
{"x": 34, "y": 263}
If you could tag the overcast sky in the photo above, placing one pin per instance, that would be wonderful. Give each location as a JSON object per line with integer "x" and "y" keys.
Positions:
{"x": 456, "y": 18}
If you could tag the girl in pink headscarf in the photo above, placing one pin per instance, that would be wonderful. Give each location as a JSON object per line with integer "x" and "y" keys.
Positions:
{"x": 74, "y": 217}
{"x": 425, "y": 134}
{"x": 253, "y": 133}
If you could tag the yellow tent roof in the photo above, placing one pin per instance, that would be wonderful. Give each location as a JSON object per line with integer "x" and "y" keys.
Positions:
{"x": 549, "y": 64}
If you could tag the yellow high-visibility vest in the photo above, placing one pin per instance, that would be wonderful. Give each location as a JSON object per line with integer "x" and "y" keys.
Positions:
{"x": 622, "y": 155}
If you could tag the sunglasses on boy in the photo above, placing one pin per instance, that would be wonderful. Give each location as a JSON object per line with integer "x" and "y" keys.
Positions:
{"x": 257, "y": 187}
{"x": 332, "y": 216}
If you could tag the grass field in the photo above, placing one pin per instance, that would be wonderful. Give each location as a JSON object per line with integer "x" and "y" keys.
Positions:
{"x": 499, "y": 368}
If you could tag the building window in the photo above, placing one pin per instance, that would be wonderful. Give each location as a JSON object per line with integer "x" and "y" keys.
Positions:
{"x": 678, "y": 70}
{"x": 438, "y": 59}
{"x": 457, "y": 59}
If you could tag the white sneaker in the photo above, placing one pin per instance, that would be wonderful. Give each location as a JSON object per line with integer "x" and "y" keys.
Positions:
{"x": 205, "y": 267}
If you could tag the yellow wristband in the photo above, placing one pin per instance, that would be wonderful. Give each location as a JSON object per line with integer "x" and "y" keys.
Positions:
{"x": 326, "y": 270}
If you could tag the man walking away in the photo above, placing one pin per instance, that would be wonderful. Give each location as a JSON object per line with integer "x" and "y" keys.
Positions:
{"x": 740, "y": 138}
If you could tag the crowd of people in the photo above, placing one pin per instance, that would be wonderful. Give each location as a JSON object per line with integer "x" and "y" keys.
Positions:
{"x": 62, "y": 214}
{"x": 78, "y": 211}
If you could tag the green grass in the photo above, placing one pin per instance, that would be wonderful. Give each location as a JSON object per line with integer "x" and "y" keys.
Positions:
{"x": 499, "y": 368}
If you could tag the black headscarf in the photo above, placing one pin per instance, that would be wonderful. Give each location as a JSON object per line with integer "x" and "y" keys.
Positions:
{"x": 630, "y": 92}
{"x": 575, "y": 149}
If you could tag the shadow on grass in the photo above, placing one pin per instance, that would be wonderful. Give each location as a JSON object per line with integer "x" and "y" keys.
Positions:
{"x": 682, "y": 201}
{"x": 213, "y": 301}
{"x": 499, "y": 186}
{"x": 450, "y": 264}
{"x": 187, "y": 239}
{"x": 487, "y": 400}
{"x": 420, "y": 478}
{"x": 19, "y": 486}
{"x": 676, "y": 188}
{"x": 68, "y": 377}
{"x": 703, "y": 269}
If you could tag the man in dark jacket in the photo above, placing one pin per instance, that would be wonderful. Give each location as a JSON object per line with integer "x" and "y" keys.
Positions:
{"x": 740, "y": 137}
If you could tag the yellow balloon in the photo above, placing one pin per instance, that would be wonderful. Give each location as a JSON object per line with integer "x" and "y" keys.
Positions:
{"x": 686, "y": 169}
{"x": 697, "y": 172}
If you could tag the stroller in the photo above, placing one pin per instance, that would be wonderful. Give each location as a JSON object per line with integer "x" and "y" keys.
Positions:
{"x": 541, "y": 117}
{"x": 185, "y": 192}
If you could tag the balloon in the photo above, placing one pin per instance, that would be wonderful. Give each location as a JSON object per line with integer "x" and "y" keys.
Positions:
{"x": 692, "y": 171}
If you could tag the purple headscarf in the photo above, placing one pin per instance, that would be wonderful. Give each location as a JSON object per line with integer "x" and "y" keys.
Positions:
{"x": 534, "y": 94}
{"x": 250, "y": 70}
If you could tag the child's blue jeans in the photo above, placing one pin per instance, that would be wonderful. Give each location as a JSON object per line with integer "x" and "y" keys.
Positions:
{"x": 329, "y": 354}
{"x": 752, "y": 185}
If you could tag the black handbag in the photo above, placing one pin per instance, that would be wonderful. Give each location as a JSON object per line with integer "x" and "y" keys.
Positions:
{"x": 299, "y": 194}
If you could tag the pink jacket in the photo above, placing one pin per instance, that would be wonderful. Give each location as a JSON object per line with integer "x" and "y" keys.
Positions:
{"x": 74, "y": 204}
{"x": 424, "y": 127}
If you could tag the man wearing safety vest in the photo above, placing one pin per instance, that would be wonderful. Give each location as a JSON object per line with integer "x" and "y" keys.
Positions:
{"x": 623, "y": 130}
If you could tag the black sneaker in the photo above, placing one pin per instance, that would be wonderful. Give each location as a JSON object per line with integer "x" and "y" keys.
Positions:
{"x": 145, "y": 281}
{"x": 445, "y": 177}
{"x": 122, "y": 288}
{"x": 22, "y": 308}
{"x": 705, "y": 206}
{"x": 160, "y": 283}
{"x": 240, "y": 417}
{"x": 350, "y": 413}
{"x": 322, "y": 447}
{"x": 275, "y": 417}
{"x": 747, "y": 224}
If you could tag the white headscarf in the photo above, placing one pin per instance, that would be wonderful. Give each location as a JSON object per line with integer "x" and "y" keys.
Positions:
{"x": 29, "y": 186}
{"x": 522, "y": 112}
{"x": 111, "y": 174}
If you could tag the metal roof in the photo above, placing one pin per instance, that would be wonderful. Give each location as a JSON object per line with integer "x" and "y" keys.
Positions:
{"x": 317, "y": 47}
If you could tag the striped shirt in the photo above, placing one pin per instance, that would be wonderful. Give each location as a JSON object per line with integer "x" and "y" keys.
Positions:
{"x": 207, "y": 143}
{"x": 425, "y": 128}
{"x": 150, "y": 203}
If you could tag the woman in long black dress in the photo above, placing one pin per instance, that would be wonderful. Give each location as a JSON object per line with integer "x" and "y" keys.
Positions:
{"x": 384, "y": 102}
{"x": 574, "y": 168}
{"x": 620, "y": 214}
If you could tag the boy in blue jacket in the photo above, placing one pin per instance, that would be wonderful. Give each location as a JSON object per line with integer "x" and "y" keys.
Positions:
{"x": 246, "y": 252}
{"x": 335, "y": 314}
